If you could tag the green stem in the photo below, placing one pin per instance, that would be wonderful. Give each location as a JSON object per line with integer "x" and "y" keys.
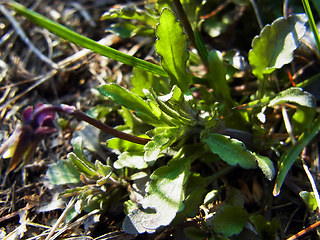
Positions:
{"x": 194, "y": 39}
{"x": 184, "y": 21}
{"x": 224, "y": 171}
{"x": 85, "y": 42}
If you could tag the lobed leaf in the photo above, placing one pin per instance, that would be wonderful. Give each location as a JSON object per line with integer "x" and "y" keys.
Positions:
{"x": 131, "y": 160}
{"x": 309, "y": 199}
{"x": 230, "y": 220}
{"x": 171, "y": 45}
{"x": 63, "y": 172}
{"x": 230, "y": 150}
{"x": 164, "y": 199}
{"x": 266, "y": 165}
{"x": 130, "y": 13}
{"x": 276, "y": 43}
{"x": 163, "y": 138}
{"x": 294, "y": 95}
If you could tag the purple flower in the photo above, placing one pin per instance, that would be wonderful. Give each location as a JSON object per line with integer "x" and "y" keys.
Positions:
{"x": 37, "y": 124}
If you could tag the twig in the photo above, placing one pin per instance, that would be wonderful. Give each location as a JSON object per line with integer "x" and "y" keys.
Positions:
{"x": 285, "y": 8}
{"x": 24, "y": 37}
{"x": 256, "y": 11}
{"x": 60, "y": 219}
{"x": 304, "y": 231}
{"x": 217, "y": 10}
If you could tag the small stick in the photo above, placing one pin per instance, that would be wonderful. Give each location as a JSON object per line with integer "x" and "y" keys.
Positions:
{"x": 256, "y": 11}
{"x": 304, "y": 231}
{"x": 60, "y": 219}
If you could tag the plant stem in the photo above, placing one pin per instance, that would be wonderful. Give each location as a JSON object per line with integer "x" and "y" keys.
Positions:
{"x": 106, "y": 128}
{"x": 224, "y": 171}
{"x": 185, "y": 21}
{"x": 196, "y": 42}
{"x": 71, "y": 110}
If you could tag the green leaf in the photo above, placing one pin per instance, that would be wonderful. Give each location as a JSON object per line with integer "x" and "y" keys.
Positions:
{"x": 309, "y": 199}
{"x": 164, "y": 199}
{"x": 144, "y": 80}
{"x": 125, "y": 98}
{"x": 82, "y": 166}
{"x": 288, "y": 159}
{"x": 129, "y": 100}
{"x": 103, "y": 170}
{"x": 302, "y": 119}
{"x": 194, "y": 194}
{"x": 63, "y": 172}
{"x": 266, "y": 230}
{"x": 294, "y": 95}
{"x": 194, "y": 233}
{"x": 163, "y": 138}
{"x": 230, "y": 220}
{"x": 230, "y": 150}
{"x": 266, "y": 165}
{"x": 78, "y": 150}
{"x": 217, "y": 75}
{"x": 85, "y": 42}
{"x": 130, "y": 12}
{"x": 123, "y": 145}
{"x": 131, "y": 160}
{"x": 174, "y": 105}
{"x": 276, "y": 43}
{"x": 171, "y": 45}
{"x": 211, "y": 196}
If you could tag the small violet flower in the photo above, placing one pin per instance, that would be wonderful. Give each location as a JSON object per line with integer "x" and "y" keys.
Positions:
{"x": 37, "y": 124}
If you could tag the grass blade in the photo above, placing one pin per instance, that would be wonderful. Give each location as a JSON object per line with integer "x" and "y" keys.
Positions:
{"x": 288, "y": 159}
{"x": 313, "y": 26}
{"x": 85, "y": 42}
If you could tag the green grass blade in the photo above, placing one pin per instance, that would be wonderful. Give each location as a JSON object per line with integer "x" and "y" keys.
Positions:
{"x": 85, "y": 42}
{"x": 312, "y": 23}
{"x": 287, "y": 160}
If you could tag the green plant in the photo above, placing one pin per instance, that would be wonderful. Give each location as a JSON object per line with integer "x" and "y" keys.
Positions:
{"x": 185, "y": 135}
